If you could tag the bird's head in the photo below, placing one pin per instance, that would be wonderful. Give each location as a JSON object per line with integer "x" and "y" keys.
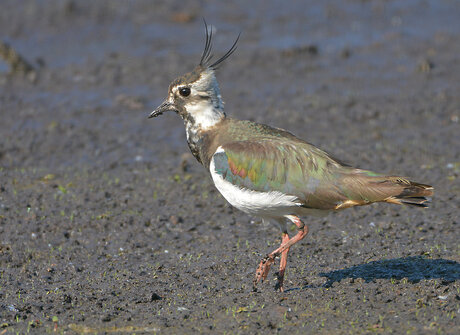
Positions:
{"x": 195, "y": 96}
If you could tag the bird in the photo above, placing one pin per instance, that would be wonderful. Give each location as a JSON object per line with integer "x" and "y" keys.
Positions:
{"x": 268, "y": 172}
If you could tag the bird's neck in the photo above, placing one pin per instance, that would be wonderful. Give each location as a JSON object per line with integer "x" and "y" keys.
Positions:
{"x": 202, "y": 117}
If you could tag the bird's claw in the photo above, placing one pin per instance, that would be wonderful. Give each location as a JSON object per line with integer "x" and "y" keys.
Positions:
{"x": 263, "y": 269}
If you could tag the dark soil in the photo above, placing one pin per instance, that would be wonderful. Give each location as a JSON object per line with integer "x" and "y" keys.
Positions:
{"x": 108, "y": 225}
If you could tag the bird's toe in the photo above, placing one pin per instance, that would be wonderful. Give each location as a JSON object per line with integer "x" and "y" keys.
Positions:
{"x": 263, "y": 269}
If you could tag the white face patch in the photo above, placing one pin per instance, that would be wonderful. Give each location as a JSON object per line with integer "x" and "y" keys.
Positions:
{"x": 204, "y": 104}
{"x": 271, "y": 204}
{"x": 204, "y": 114}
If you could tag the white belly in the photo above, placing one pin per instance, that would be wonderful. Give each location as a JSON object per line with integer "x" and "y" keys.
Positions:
{"x": 271, "y": 204}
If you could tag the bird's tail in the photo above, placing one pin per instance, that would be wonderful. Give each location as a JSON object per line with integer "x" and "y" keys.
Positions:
{"x": 363, "y": 187}
{"x": 414, "y": 194}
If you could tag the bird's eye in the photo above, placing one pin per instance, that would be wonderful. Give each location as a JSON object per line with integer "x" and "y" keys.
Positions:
{"x": 184, "y": 91}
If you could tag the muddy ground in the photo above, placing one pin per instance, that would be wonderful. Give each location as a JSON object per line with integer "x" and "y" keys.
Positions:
{"x": 108, "y": 225}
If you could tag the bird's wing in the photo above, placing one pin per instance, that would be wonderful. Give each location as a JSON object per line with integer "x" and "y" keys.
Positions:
{"x": 292, "y": 168}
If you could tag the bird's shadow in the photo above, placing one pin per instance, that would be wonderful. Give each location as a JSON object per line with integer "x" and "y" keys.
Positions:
{"x": 414, "y": 268}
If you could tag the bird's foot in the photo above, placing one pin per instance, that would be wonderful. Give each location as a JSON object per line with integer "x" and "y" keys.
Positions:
{"x": 279, "y": 285}
{"x": 263, "y": 269}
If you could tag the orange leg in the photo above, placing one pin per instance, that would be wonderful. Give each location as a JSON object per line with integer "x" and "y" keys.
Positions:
{"x": 283, "y": 262}
{"x": 267, "y": 261}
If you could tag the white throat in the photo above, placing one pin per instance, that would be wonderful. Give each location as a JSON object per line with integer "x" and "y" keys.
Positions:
{"x": 205, "y": 114}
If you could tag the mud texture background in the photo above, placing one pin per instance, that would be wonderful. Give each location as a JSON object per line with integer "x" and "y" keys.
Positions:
{"x": 108, "y": 225}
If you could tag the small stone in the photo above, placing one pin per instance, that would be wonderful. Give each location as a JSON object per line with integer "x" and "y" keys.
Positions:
{"x": 345, "y": 53}
{"x": 67, "y": 299}
{"x": 425, "y": 66}
{"x": 155, "y": 297}
{"x": 130, "y": 102}
{"x": 175, "y": 219}
{"x": 183, "y": 17}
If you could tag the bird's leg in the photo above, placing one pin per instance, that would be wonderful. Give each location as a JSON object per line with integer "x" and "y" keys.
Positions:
{"x": 283, "y": 262}
{"x": 267, "y": 261}
{"x": 263, "y": 268}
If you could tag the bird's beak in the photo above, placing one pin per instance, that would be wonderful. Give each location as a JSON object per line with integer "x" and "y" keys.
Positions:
{"x": 166, "y": 106}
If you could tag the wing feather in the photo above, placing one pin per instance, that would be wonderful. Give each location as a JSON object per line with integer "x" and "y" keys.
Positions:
{"x": 297, "y": 169}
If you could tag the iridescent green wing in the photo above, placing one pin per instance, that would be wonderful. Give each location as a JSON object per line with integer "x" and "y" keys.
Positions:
{"x": 294, "y": 168}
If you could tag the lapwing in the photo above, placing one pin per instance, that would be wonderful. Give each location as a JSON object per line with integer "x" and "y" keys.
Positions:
{"x": 268, "y": 172}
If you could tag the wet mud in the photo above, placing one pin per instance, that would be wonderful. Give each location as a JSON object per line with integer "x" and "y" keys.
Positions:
{"x": 108, "y": 224}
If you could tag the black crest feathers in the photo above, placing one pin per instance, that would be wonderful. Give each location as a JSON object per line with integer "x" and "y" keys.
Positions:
{"x": 207, "y": 56}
